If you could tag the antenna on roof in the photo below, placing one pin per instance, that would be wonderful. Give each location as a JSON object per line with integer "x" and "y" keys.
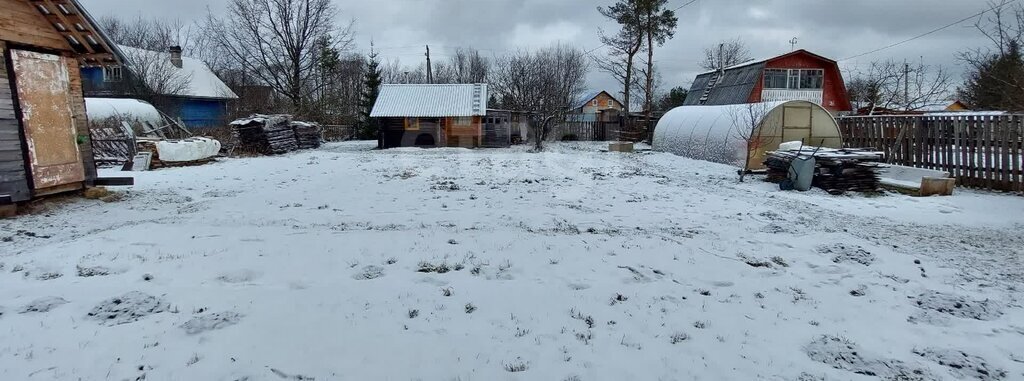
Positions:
{"x": 792, "y": 44}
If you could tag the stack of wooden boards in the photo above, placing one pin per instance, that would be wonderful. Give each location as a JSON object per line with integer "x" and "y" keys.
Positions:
{"x": 836, "y": 170}
{"x": 273, "y": 134}
{"x": 308, "y": 135}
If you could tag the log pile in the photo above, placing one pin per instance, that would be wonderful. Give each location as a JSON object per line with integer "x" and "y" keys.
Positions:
{"x": 307, "y": 135}
{"x": 836, "y": 170}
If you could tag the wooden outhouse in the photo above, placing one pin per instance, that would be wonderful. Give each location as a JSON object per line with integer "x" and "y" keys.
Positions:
{"x": 44, "y": 133}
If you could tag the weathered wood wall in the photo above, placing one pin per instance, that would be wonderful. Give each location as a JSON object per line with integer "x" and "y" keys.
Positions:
{"x": 981, "y": 151}
{"x": 21, "y": 23}
{"x": 13, "y": 178}
{"x": 81, "y": 121}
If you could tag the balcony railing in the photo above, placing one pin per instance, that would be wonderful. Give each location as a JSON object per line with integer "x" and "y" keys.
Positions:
{"x": 773, "y": 95}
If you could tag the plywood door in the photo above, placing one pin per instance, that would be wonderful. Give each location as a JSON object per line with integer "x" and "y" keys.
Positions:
{"x": 44, "y": 97}
{"x": 796, "y": 125}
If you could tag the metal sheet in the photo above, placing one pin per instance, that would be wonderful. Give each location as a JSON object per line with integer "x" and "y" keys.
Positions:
{"x": 44, "y": 97}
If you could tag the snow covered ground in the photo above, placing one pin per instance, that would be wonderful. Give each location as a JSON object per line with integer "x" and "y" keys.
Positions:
{"x": 351, "y": 264}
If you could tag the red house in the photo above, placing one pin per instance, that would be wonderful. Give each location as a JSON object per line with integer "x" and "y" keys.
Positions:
{"x": 799, "y": 75}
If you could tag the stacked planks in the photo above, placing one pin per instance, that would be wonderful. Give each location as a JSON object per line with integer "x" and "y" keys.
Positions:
{"x": 279, "y": 134}
{"x": 836, "y": 170}
{"x": 307, "y": 135}
{"x": 264, "y": 134}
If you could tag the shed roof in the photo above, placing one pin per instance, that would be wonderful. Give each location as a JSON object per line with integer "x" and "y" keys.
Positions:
{"x": 203, "y": 83}
{"x": 431, "y": 100}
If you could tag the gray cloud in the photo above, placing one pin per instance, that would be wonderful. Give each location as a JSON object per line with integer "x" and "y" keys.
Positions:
{"x": 837, "y": 29}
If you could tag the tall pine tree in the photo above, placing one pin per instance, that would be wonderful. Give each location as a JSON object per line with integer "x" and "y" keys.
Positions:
{"x": 370, "y": 127}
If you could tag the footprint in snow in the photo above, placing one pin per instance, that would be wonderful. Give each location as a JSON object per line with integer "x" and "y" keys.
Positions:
{"x": 239, "y": 276}
{"x": 43, "y": 304}
{"x": 210, "y": 322}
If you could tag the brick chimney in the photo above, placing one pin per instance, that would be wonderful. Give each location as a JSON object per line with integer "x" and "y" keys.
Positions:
{"x": 175, "y": 55}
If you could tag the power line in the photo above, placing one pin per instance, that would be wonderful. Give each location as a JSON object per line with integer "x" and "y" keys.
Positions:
{"x": 931, "y": 31}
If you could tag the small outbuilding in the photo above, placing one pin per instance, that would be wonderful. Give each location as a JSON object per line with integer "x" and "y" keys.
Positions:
{"x": 726, "y": 134}
{"x": 433, "y": 115}
{"x": 44, "y": 134}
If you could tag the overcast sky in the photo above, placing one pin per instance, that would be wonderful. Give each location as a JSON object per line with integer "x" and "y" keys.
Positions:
{"x": 837, "y": 29}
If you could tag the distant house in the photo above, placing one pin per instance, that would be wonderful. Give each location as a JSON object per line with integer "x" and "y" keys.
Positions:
{"x": 595, "y": 102}
{"x": 431, "y": 115}
{"x": 185, "y": 88}
{"x": 44, "y": 134}
{"x": 799, "y": 75}
{"x": 945, "y": 106}
{"x": 931, "y": 108}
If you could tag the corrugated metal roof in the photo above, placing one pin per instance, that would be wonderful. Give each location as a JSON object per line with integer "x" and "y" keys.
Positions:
{"x": 431, "y": 100}
{"x": 734, "y": 88}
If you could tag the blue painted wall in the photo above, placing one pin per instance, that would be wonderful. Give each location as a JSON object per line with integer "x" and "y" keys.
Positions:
{"x": 92, "y": 77}
{"x": 203, "y": 113}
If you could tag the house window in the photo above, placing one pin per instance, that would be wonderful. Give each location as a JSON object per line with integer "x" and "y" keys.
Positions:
{"x": 794, "y": 79}
{"x": 111, "y": 74}
{"x": 462, "y": 121}
{"x": 608, "y": 103}
{"x": 594, "y": 103}
{"x": 775, "y": 78}
{"x": 811, "y": 79}
{"x": 412, "y": 124}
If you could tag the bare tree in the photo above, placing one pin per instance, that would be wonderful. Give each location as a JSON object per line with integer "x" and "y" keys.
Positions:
{"x": 658, "y": 25}
{"x": 465, "y": 66}
{"x": 623, "y": 46}
{"x": 276, "y": 41}
{"x": 545, "y": 83}
{"x": 725, "y": 54}
{"x": 899, "y": 85}
{"x": 747, "y": 121}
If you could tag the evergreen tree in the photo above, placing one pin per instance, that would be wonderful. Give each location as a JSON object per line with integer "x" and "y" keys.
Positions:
{"x": 673, "y": 99}
{"x": 996, "y": 81}
{"x": 370, "y": 127}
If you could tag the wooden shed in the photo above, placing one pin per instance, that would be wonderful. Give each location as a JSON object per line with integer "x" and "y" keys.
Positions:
{"x": 44, "y": 133}
{"x": 433, "y": 115}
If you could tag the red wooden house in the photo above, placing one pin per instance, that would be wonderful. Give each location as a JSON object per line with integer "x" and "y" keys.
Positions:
{"x": 799, "y": 75}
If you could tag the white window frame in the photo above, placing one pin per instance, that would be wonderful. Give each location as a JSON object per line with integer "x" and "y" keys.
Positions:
{"x": 113, "y": 74}
{"x": 794, "y": 79}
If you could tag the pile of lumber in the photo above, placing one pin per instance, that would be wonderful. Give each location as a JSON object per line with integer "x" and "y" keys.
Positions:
{"x": 836, "y": 170}
{"x": 274, "y": 134}
{"x": 307, "y": 135}
{"x": 247, "y": 135}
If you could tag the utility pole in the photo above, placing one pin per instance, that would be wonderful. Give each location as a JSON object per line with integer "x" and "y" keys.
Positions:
{"x": 430, "y": 74}
{"x": 792, "y": 44}
{"x": 906, "y": 83}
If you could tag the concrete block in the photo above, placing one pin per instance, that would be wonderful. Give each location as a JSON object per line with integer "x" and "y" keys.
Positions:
{"x": 620, "y": 147}
{"x": 941, "y": 186}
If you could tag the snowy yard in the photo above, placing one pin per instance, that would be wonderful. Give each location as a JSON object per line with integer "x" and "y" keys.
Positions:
{"x": 351, "y": 264}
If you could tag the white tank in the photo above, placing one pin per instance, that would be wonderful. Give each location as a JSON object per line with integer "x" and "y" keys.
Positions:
{"x": 724, "y": 134}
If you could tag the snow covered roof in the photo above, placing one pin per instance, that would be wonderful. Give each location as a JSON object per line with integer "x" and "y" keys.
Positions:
{"x": 123, "y": 109}
{"x": 203, "y": 83}
{"x": 432, "y": 100}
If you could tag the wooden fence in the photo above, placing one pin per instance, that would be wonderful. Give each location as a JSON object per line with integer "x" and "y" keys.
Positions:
{"x": 338, "y": 133}
{"x": 620, "y": 129}
{"x": 981, "y": 151}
